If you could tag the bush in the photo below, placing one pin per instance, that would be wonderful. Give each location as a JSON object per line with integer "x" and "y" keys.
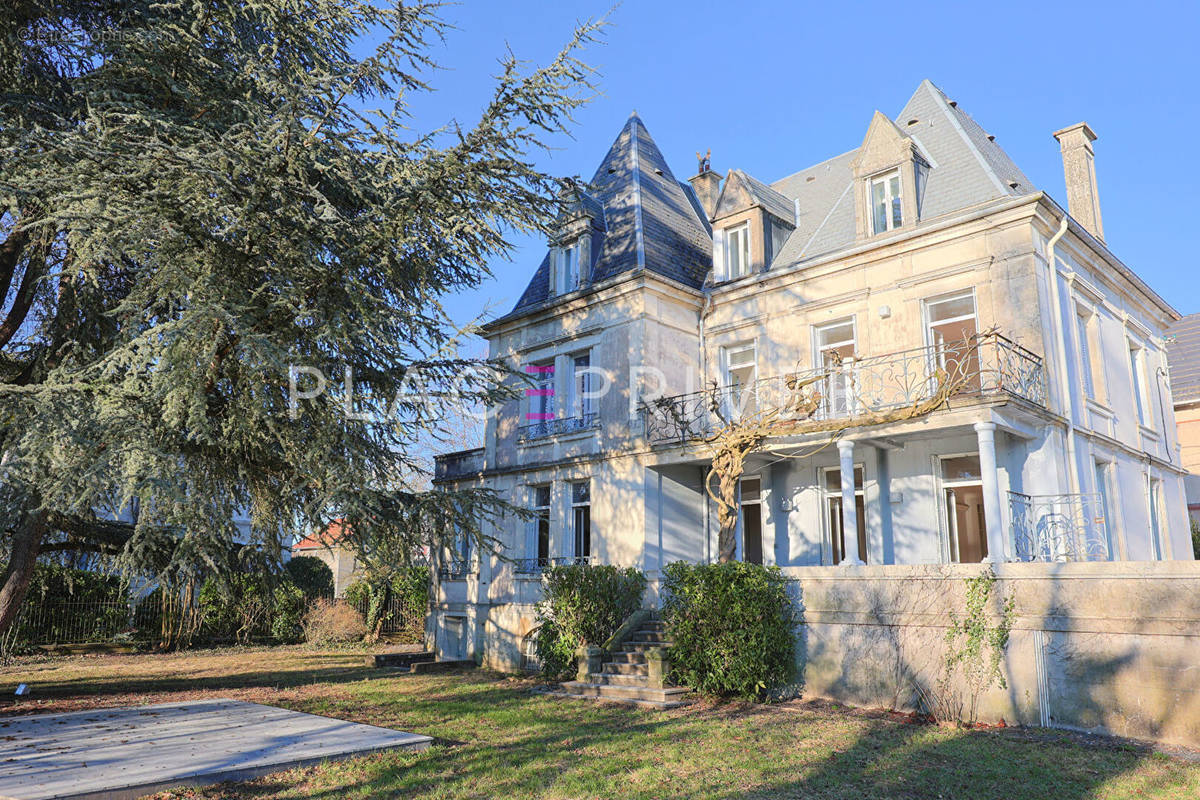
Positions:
{"x": 1196, "y": 539}
{"x": 408, "y": 608}
{"x": 583, "y": 604}
{"x": 332, "y": 622}
{"x": 732, "y": 627}
{"x": 311, "y": 575}
{"x": 244, "y": 607}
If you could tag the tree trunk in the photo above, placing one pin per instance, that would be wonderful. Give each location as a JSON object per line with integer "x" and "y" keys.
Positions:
{"x": 26, "y": 543}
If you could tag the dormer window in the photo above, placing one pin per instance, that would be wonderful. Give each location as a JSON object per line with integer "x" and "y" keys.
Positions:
{"x": 737, "y": 251}
{"x": 566, "y": 269}
{"x": 887, "y": 212}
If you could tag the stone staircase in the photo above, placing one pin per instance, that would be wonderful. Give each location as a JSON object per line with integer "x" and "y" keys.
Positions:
{"x": 626, "y": 674}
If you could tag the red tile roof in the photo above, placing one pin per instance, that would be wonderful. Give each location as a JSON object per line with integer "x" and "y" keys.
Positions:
{"x": 327, "y": 538}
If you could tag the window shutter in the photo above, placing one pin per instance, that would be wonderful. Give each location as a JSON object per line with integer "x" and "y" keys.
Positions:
{"x": 719, "y": 255}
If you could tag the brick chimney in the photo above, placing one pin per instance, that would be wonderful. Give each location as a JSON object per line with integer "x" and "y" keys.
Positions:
{"x": 706, "y": 184}
{"x": 1079, "y": 168}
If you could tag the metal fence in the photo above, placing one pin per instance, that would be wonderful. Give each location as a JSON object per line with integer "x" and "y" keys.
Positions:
{"x": 76, "y": 622}
{"x": 398, "y": 620}
{"x": 1059, "y": 527}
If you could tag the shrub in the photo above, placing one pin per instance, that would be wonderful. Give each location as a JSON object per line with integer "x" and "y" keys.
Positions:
{"x": 244, "y": 607}
{"x": 408, "y": 606}
{"x": 288, "y": 604}
{"x": 312, "y": 575}
{"x": 583, "y": 604}
{"x": 1196, "y": 539}
{"x": 732, "y": 627}
{"x": 332, "y": 622}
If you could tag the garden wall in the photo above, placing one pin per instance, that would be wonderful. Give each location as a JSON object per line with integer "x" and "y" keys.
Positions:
{"x": 1099, "y": 647}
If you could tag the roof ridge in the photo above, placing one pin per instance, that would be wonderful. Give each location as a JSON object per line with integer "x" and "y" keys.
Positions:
{"x": 635, "y": 166}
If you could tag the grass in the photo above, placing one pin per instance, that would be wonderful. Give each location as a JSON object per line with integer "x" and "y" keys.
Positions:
{"x": 497, "y": 739}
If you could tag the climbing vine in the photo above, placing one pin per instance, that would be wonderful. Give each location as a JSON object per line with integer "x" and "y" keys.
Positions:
{"x": 975, "y": 645}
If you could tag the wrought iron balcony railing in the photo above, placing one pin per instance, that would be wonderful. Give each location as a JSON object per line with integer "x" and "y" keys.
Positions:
{"x": 535, "y": 566}
{"x": 453, "y": 570}
{"x": 1059, "y": 527}
{"x": 987, "y": 364}
{"x": 555, "y": 427}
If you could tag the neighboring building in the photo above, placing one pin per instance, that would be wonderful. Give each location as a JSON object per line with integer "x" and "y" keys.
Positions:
{"x": 1183, "y": 351}
{"x": 326, "y": 546}
{"x": 836, "y": 293}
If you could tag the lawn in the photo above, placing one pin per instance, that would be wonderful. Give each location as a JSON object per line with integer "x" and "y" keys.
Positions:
{"x": 498, "y": 739}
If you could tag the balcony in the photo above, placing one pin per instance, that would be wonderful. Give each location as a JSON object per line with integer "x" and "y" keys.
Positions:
{"x": 536, "y": 566}
{"x": 1059, "y": 527}
{"x": 454, "y": 571}
{"x": 865, "y": 389}
{"x": 458, "y": 465}
{"x": 558, "y": 427}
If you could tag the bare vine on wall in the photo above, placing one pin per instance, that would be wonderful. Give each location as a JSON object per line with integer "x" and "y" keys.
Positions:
{"x": 741, "y": 432}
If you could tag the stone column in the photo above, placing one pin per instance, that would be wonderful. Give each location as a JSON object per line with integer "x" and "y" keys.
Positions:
{"x": 849, "y": 508}
{"x": 986, "y": 434}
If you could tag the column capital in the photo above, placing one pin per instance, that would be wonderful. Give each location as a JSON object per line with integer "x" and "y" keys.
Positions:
{"x": 985, "y": 426}
{"x": 845, "y": 446}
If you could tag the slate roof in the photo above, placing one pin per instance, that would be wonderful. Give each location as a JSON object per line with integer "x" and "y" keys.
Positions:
{"x": 653, "y": 220}
{"x": 1183, "y": 355}
{"x": 966, "y": 169}
{"x": 767, "y": 197}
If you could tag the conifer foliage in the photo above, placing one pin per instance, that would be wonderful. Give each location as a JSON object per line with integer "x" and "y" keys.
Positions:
{"x": 194, "y": 198}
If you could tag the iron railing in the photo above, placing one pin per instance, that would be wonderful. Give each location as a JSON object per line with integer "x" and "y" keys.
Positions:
{"x": 556, "y": 427}
{"x": 983, "y": 365}
{"x": 454, "y": 570}
{"x": 464, "y": 462}
{"x": 1059, "y": 527}
{"x": 535, "y": 566}
{"x": 76, "y": 622}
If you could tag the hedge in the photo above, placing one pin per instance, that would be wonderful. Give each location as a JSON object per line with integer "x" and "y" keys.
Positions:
{"x": 583, "y": 604}
{"x": 732, "y": 627}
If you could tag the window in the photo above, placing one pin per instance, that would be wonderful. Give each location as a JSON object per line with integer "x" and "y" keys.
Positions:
{"x": 739, "y": 378}
{"x": 1137, "y": 363}
{"x": 567, "y": 271}
{"x": 537, "y": 544}
{"x": 962, "y": 490}
{"x": 1156, "y": 518}
{"x": 750, "y": 518}
{"x": 737, "y": 251}
{"x": 832, "y": 487}
{"x": 581, "y": 519}
{"x": 1103, "y": 520}
{"x": 950, "y": 332}
{"x": 541, "y": 395}
{"x": 886, "y": 212}
{"x": 834, "y": 343}
{"x": 1091, "y": 354}
{"x": 582, "y": 402}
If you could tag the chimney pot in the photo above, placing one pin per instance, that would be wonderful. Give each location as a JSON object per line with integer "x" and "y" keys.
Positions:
{"x": 1079, "y": 170}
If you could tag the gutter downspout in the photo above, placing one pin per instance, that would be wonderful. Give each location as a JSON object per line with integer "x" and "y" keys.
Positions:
{"x": 1064, "y": 384}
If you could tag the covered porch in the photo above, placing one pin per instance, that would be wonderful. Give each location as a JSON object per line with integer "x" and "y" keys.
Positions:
{"x": 982, "y": 482}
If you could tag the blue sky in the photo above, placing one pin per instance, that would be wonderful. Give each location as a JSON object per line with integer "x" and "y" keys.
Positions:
{"x": 774, "y": 87}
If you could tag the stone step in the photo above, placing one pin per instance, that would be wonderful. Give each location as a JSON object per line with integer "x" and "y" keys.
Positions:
{"x": 628, "y": 657}
{"x": 625, "y": 669}
{"x": 399, "y": 659}
{"x": 617, "y": 680}
{"x": 653, "y": 625}
{"x": 648, "y": 636}
{"x": 643, "y": 644}
{"x": 672, "y": 694}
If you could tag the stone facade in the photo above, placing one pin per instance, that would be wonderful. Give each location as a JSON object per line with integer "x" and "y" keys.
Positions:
{"x": 1061, "y": 448}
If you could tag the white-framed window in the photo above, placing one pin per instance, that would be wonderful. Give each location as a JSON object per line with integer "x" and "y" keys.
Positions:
{"x": 950, "y": 329}
{"x": 567, "y": 273}
{"x": 886, "y": 208}
{"x": 834, "y": 346}
{"x": 541, "y": 394}
{"x": 538, "y": 532}
{"x": 582, "y": 401}
{"x": 740, "y": 367}
{"x": 1156, "y": 516}
{"x": 1090, "y": 352}
{"x": 962, "y": 494}
{"x": 737, "y": 251}
{"x": 1137, "y": 375}
{"x": 581, "y": 518}
{"x": 831, "y": 488}
{"x": 1104, "y": 503}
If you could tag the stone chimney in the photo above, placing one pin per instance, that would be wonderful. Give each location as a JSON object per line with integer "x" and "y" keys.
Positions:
{"x": 1079, "y": 167}
{"x": 706, "y": 184}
